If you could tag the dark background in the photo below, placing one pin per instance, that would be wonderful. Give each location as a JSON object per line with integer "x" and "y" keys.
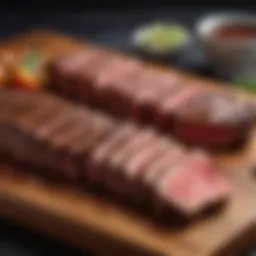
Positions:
{"x": 107, "y": 22}
{"x": 101, "y": 4}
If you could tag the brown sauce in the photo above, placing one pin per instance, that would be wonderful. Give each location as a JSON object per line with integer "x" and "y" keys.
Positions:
{"x": 236, "y": 32}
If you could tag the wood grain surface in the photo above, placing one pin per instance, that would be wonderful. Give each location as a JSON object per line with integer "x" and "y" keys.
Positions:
{"x": 86, "y": 221}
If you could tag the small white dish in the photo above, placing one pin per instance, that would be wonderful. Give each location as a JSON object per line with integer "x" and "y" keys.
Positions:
{"x": 161, "y": 39}
{"x": 228, "y": 57}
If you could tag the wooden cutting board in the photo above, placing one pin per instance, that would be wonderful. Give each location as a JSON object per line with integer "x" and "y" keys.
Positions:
{"x": 89, "y": 222}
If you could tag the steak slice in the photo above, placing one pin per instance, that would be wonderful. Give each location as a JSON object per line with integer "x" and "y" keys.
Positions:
{"x": 214, "y": 120}
{"x": 139, "y": 163}
{"x": 117, "y": 161}
{"x": 100, "y": 156}
{"x": 167, "y": 109}
{"x": 190, "y": 187}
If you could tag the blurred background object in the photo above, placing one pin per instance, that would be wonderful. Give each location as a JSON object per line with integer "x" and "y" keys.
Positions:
{"x": 110, "y": 23}
{"x": 229, "y": 41}
{"x": 161, "y": 40}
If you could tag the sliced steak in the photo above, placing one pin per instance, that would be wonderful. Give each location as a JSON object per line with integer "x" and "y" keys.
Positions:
{"x": 134, "y": 164}
{"x": 146, "y": 101}
{"x": 85, "y": 78}
{"x": 190, "y": 187}
{"x": 174, "y": 155}
{"x": 63, "y": 69}
{"x": 139, "y": 163}
{"x": 214, "y": 121}
{"x": 41, "y": 124}
{"x": 128, "y": 88}
{"x": 111, "y": 77}
{"x": 100, "y": 157}
{"x": 118, "y": 160}
{"x": 18, "y": 144}
{"x": 167, "y": 109}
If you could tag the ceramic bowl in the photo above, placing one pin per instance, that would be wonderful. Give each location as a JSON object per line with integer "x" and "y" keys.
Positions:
{"x": 229, "y": 58}
{"x": 168, "y": 53}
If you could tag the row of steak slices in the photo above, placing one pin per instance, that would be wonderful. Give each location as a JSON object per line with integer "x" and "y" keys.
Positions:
{"x": 170, "y": 101}
{"x": 130, "y": 162}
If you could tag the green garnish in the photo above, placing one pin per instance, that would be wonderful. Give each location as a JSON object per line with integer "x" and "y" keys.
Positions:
{"x": 246, "y": 84}
{"x": 162, "y": 36}
{"x": 32, "y": 59}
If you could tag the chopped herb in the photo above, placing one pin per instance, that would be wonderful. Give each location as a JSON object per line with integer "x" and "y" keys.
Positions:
{"x": 162, "y": 36}
{"x": 31, "y": 60}
{"x": 27, "y": 73}
{"x": 246, "y": 84}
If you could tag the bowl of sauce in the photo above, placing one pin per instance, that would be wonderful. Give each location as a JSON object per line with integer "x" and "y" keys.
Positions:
{"x": 229, "y": 42}
{"x": 235, "y": 32}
